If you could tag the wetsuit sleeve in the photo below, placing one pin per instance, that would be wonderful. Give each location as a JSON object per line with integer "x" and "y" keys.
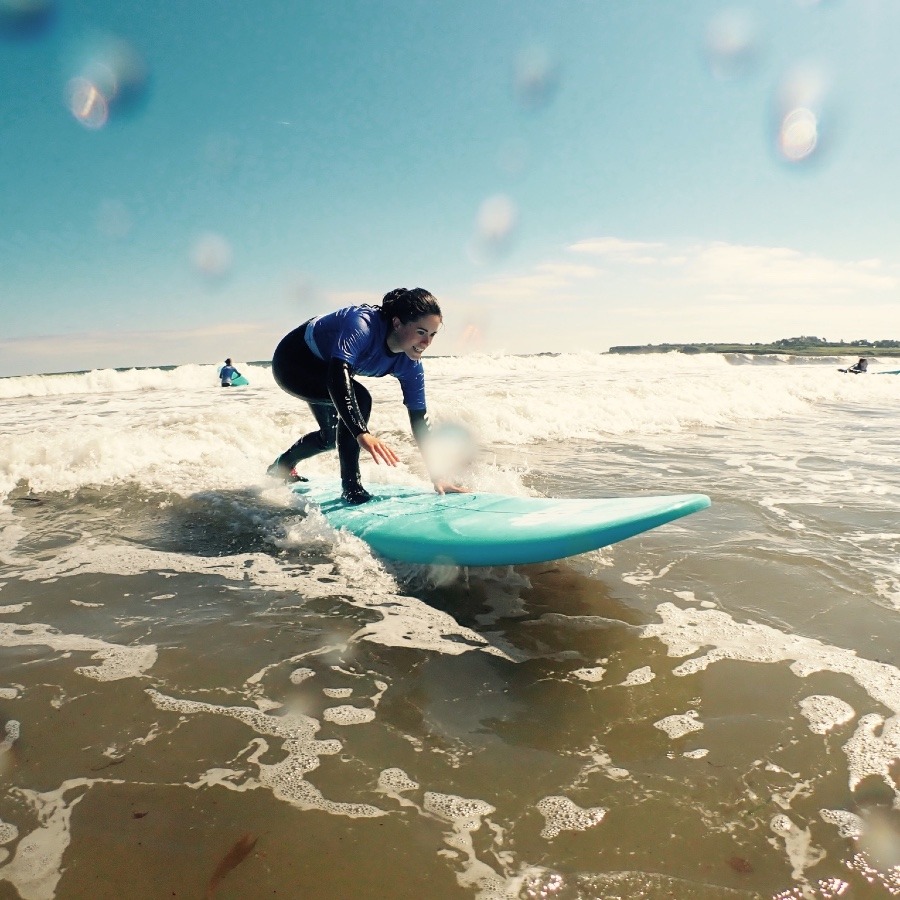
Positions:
{"x": 412, "y": 383}
{"x": 340, "y": 389}
{"x": 418, "y": 420}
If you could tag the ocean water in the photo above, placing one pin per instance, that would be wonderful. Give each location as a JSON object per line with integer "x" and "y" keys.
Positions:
{"x": 205, "y": 691}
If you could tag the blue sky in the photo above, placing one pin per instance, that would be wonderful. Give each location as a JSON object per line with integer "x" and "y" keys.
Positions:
{"x": 562, "y": 176}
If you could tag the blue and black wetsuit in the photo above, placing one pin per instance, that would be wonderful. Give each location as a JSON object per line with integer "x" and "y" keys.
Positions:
{"x": 226, "y": 373}
{"x": 317, "y": 363}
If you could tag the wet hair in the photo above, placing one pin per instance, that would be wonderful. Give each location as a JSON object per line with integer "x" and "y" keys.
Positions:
{"x": 409, "y": 305}
{"x": 228, "y": 361}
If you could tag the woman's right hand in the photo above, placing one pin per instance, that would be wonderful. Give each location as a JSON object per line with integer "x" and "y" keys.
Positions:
{"x": 379, "y": 450}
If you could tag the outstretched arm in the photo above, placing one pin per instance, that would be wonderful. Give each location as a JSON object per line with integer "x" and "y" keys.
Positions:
{"x": 340, "y": 389}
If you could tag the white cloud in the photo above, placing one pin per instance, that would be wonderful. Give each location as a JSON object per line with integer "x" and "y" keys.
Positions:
{"x": 747, "y": 268}
{"x": 653, "y": 292}
{"x": 615, "y": 248}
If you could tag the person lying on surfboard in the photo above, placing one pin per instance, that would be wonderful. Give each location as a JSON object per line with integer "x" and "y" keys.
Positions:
{"x": 318, "y": 361}
{"x": 858, "y": 368}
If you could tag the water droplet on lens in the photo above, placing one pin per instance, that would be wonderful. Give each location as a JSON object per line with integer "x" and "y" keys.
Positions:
{"x": 732, "y": 43}
{"x": 26, "y": 18}
{"x": 536, "y": 77}
{"x": 86, "y": 103}
{"x": 114, "y": 220}
{"x": 211, "y": 256}
{"x": 798, "y": 114}
{"x": 110, "y": 79}
{"x": 799, "y": 134}
{"x": 494, "y": 228}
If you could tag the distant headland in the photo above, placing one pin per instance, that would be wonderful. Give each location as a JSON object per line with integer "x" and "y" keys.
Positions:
{"x": 796, "y": 346}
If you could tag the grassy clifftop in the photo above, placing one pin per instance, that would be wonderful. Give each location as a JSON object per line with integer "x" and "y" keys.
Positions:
{"x": 793, "y": 346}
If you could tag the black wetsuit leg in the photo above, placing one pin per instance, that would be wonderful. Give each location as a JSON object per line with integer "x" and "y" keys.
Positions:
{"x": 348, "y": 448}
{"x": 299, "y": 372}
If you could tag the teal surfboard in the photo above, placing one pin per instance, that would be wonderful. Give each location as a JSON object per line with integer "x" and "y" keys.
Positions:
{"x": 416, "y": 525}
{"x": 888, "y": 372}
{"x": 239, "y": 381}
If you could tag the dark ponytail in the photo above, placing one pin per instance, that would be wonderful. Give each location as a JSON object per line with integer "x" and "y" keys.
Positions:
{"x": 408, "y": 305}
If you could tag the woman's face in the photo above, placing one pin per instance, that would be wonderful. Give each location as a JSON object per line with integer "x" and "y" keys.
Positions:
{"x": 414, "y": 337}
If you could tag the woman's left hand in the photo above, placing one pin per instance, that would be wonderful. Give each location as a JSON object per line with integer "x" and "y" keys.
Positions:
{"x": 446, "y": 487}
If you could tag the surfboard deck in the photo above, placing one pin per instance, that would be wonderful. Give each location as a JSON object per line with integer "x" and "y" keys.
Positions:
{"x": 417, "y": 525}
{"x": 239, "y": 381}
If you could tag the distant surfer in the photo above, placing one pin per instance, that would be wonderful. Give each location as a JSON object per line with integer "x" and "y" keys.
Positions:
{"x": 318, "y": 361}
{"x": 228, "y": 373}
{"x": 858, "y": 368}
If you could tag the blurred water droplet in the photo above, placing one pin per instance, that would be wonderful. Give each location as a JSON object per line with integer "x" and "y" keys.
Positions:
{"x": 494, "y": 228}
{"x": 732, "y": 43}
{"x": 301, "y": 293}
{"x": 211, "y": 256}
{"x": 114, "y": 221}
{"x": 799, "y": 134}
{"x": 443, "y": 573}
{"x": 449, "y": 449}
{"x": 801, "y": 97}
{"x": 26, "y": 18}
{"x": 86, "y": 103}
{"x": 536, "y": 77}
{"x": 513, "y": 158}
{"x": 110, "y": 79}
{"x": 880, "y": 838}
{"x": 220, "y": 153}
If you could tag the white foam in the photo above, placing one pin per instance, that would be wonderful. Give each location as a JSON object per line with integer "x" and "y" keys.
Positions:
{"x": 117, "y": 661}
{"x": 801, "y": 853}
{"x": 561, "y": 814}
{"x": 36, "y": 868}
{"x": 644, "y": 675}
{"x": 678, "y": 725}
{"x": 348, "y": 715}
{"x": 849, "y": 824}
{"x": 825, "y": 713}
{"x": 13, "y": 731}
{"x": 337, "y": 693}
{"x": 465, "y": 816}
{"x": 873, "y": 750}
{"x": 592, "y": 674}
{"x": 396, "y": 781}
{"x": 405, "y": 622}
{"x": 298, "y": 676}
{"x": 287, "y": 778}
{"x": 876, "y": 742}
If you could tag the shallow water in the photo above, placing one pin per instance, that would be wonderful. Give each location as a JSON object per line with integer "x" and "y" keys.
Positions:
{"x": 707, "y": 710}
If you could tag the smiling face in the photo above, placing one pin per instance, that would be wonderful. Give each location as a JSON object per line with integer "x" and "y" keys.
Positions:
{"x": 413, "y": 338}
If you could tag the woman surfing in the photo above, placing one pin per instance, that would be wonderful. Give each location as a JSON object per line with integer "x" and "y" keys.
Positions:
{"x": 318, "y": 362}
